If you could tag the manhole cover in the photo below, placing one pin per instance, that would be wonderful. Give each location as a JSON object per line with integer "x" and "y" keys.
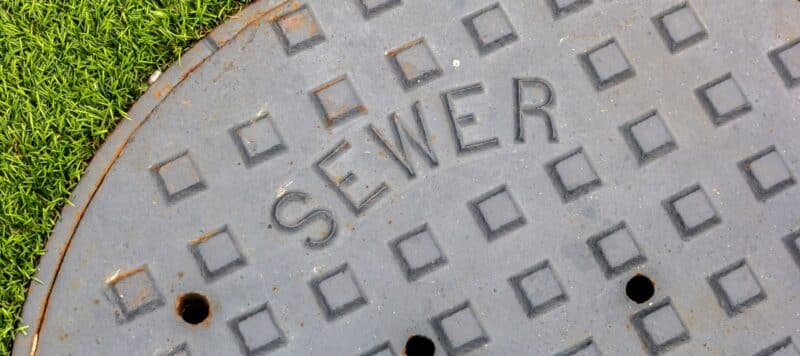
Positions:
{"x": 502, "y": 178}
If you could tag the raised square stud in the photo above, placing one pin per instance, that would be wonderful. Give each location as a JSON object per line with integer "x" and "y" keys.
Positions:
{"x": 766, "y": 173}
{"x": 680, "y": 27}
{"x": 736, "y": 287}
{"x": 573, "y": 175}
{"x": 723, "y": 99}
{"x": 180, "y": 350}
{"x": 607, "y": 65}
{"x": 786, "y": 59}
{"x": 648, "y": 137}
{"x": 372, "y": 8}
{"x": 258, "y": 140}
{"x": 256, "y": 331}
{"x": 584, "y": 348}
{"x": 490, "y": 28}
{"x": 134, "y": 293}
{"x": 497, "y": 212}
{"x": 459, "y": 330}
{"x": 179, "y": 177}
{"x": 338, "y": 293}
{"x": 414, "y": 64}
{"x": 418, "y": 253}
{"x": 298, "y": 30}
{"x": 616, "y": 250}
{"x": 660, "y": 327}
{"x": 792, "y": 242}
{"x": 561, "y": 8}
{"x": 216, "y": 253}
{"x": 384, "y": 349}
{"x": 784, "y": 347}
{"x": 538, "y": 289}
{"x": 338, "y": 101}
{"x": 691, "y": 211}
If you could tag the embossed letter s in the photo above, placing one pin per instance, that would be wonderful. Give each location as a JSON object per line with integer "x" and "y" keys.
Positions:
{"x": 316, "y": 214}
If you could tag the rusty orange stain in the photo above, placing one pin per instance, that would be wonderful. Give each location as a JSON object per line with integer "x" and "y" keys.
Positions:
{"x": 205, "y": 236}
{"x": 119, "y": 276}
{"x": 297, "y": 22}
{"x": 281, "y": 9}
{"x": 188, "y": 71}
{"x": 164, "y": 90}
{"x": 404, "y": 47}
{"x": 270, "y": 13}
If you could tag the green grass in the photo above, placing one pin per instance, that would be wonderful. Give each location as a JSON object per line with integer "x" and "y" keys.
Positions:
{"x": 69, "y": 69}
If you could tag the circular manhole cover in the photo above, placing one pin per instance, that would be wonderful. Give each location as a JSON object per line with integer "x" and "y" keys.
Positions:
{"x": 503, "y": 178}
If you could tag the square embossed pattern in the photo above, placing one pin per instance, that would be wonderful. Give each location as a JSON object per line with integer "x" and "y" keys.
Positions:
{"x": 649, "y": 137}
{"x": 660, "y": 327}
{"x": 767, "y": 173}
{"x": 538, "y": 289}
{"x": 179, "y": 177}
{"x": 573, "y": 175}
{"x": 786, "y": 60}
{"x": 663, "y": 325}
{"x": 136, "y": 293}
{"x": 737, "y": 288}
{"x": 790, "y": 58}
{"x": 339, "y": 101}
{"x": 616, "y": 250}
{"x": 217, "y": 254}
{"x": 490, "y": 28}
{"x": 259, "y": 139}
{"x": 498, "y": 213}
{"x": 257, "y": 331}
{"x": 691, "y": 211}
{"x": 460, "y": 330}
{"x": 299, "y": 30}
{"x": 723, "y": 99}
{"x": 608, "y": 65}
{"x": 419, "y": 253}
{"x": 680, "y": 27}
{"x": 586, "y": 348}
{"x": 565, "y": 7}
{"x": 415, "y": 64}
{"x": 338, "y": 292}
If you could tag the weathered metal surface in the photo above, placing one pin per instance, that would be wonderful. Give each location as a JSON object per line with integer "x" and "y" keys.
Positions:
{"x": 333, "y": 179}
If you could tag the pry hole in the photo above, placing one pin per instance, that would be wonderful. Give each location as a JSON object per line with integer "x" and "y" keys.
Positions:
{"x": 640, "y": 289}
{"x": 419, "y": 345}
{"x": 193, "y": 308}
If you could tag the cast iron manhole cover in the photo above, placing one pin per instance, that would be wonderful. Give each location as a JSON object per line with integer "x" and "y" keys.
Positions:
{"x": 489, "y": 177}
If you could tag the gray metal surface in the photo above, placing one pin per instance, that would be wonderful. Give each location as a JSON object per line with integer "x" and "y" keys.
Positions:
{"x": 337, "y": 177}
